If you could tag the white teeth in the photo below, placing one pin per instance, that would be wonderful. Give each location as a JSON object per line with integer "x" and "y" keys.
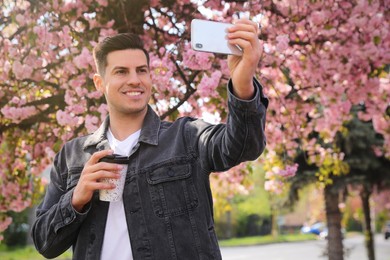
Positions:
{"x": 133, "y": 93}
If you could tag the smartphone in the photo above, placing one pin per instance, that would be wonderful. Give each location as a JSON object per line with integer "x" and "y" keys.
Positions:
{"x": 210, "y": 36}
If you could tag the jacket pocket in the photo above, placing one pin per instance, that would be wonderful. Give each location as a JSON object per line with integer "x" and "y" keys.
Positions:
{"x": 73, "y": 177}
{"x": 172, "y": 190}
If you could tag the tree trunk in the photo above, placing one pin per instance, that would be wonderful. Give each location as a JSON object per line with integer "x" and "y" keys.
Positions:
{"x": 368, "y": 237}
{"x": 333, "y": 218}
{"x": 274, "y": 224}
{"x": 229, "y": 233}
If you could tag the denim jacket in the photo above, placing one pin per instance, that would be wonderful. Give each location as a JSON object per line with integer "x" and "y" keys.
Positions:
{"x": 167, "y": 197}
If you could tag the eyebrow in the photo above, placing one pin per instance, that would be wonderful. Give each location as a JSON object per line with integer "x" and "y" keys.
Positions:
{"x": 126, "y": 68}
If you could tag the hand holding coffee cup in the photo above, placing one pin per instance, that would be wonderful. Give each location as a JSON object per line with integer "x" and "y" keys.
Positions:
{"x": 114, "y": 194}
{"x": 94, "y": 170}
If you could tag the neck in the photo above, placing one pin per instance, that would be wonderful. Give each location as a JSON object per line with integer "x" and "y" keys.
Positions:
{"x": 123, "y": 125}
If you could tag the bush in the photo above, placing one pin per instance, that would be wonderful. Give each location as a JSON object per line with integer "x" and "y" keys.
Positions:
{"x": 381, "y": 220}
{"x": 254, "y": 225}
{"x": 353, "y": 224}
{"x": 16, "y": 233}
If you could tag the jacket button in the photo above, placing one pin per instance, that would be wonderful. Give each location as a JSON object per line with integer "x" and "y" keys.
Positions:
{"x": 171, "y": 172}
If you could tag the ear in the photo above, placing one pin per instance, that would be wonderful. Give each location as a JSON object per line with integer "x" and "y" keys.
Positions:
{"x": 98, "y": 81}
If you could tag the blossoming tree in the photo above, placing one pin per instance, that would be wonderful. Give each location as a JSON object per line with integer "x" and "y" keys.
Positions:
{"x": 320, "y": 58}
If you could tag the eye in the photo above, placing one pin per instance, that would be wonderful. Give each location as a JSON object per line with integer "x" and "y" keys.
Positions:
{"x": 143, "y": 70}
{"x": 121, "y": 72}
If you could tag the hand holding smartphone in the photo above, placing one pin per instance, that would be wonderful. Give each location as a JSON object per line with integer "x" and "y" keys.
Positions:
{"x": 210, "y": 36}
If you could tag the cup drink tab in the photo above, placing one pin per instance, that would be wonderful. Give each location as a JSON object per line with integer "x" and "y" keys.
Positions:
{"x": 116, "y": 193}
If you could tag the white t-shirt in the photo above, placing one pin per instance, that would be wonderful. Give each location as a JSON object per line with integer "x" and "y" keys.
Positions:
{"x": 116, "y": 242}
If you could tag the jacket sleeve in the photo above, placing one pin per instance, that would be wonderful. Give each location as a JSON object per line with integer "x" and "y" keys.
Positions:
{"x": 57, "y": 223}
{"x": 241, "y": 139}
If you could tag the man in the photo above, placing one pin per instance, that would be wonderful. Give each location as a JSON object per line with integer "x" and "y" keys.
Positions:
{"x": 166, "y": 211}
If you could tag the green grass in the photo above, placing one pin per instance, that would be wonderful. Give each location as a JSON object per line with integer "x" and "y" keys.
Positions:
{"x": 258, "y": 240}
{"x": 27, "y": 253}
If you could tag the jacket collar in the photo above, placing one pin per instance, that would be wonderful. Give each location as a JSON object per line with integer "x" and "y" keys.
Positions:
{"x": 149, "y": 132}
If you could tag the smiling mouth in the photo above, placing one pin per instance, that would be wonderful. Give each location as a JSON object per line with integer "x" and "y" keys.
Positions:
{"x": 132, "y": 93}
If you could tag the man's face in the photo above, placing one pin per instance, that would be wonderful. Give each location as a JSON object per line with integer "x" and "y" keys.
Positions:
{"x": 127, "y": 83}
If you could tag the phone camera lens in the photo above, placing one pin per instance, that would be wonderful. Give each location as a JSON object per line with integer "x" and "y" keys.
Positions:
{"x": 199, "y": 45}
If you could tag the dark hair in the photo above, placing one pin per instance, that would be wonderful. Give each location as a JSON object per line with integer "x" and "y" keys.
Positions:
{"x": 122, "y": 41}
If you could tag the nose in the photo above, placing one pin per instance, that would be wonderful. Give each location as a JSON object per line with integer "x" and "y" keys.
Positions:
{"x": 133, "y": 79}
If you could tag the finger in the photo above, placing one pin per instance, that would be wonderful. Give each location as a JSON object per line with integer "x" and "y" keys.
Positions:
{"x": 244, "y": 25}
{"x": 248, "y": 36}
{"x": 247, "y": 46}
{"x": 98, "y": 155}
{"x": 101, "y": 186}
{"x": 88, "y": 182}
{"x": 103, "y": 166}
{"x": 247, "y": 21}
{"x": 96, "y": 176}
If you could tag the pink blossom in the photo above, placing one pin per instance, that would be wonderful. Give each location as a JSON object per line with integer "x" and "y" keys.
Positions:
{"x": 94, "y": 94}
{"x": 20, "y": 19}
{"x": 380, "y": 124}
{"x": 15, "y": 100}
{"x": 106, "y": 32}
{"x": 317, "y": 17}
{"x": 44, "y": 181}
{"x": 103, "y": 110}
{"x": 43, "y": 34}
{"x": 84, "y": 59}
{"x": 341, "y": 205}
{"x": 77, "y": 108}
{"x": 377, "y": 151}
{"x": 4, "y": 223}
{"x": 289, "y": 171}
{"x": 282, "y": 42}
{"x": 207, "y": 86}
{"x": 224, "y": 67}
{"x": 93, "y": 23}
{"x": 196, "y": 60}
{"x": 66, "y": 119}
{"x": 91, "y": 123}
{"x": 77, "y": 83}
{"x": 70, "y": 68}
{"x": 19, "y": 204}
{"x": 17, "y": 114}
{"x": 6, "y": 67}
{"x": 154, "y": 3}
{"x": 21, "y": 71}
{"x": 162, "y": 70}
{"x": 9, "y": 189}
{"x": 110, "y": 23}
{"x": 69, "y": 97}
{"x": 13, "y": 52}
{"x": 102, "y": 2}
{"x": 50, "y": 153}
{"x": 273, "y": 186}
{"x": 80, "y": 91}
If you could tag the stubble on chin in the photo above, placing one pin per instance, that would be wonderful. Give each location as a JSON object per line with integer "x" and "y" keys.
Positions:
{"x": 134, "y": 112}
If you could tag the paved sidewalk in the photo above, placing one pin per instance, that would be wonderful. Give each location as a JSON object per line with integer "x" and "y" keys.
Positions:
{"x": 309, "y": 250}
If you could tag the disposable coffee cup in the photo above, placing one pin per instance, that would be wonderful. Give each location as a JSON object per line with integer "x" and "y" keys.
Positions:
{"x": 116, "y": 193}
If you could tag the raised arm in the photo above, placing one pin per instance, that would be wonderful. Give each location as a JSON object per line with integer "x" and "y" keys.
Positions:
{"x": 243, "y": 68}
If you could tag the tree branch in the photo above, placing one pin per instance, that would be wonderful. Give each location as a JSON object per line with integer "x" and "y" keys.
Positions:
{"x": 25, "y": 124}
{"x": 187, "y": 95}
